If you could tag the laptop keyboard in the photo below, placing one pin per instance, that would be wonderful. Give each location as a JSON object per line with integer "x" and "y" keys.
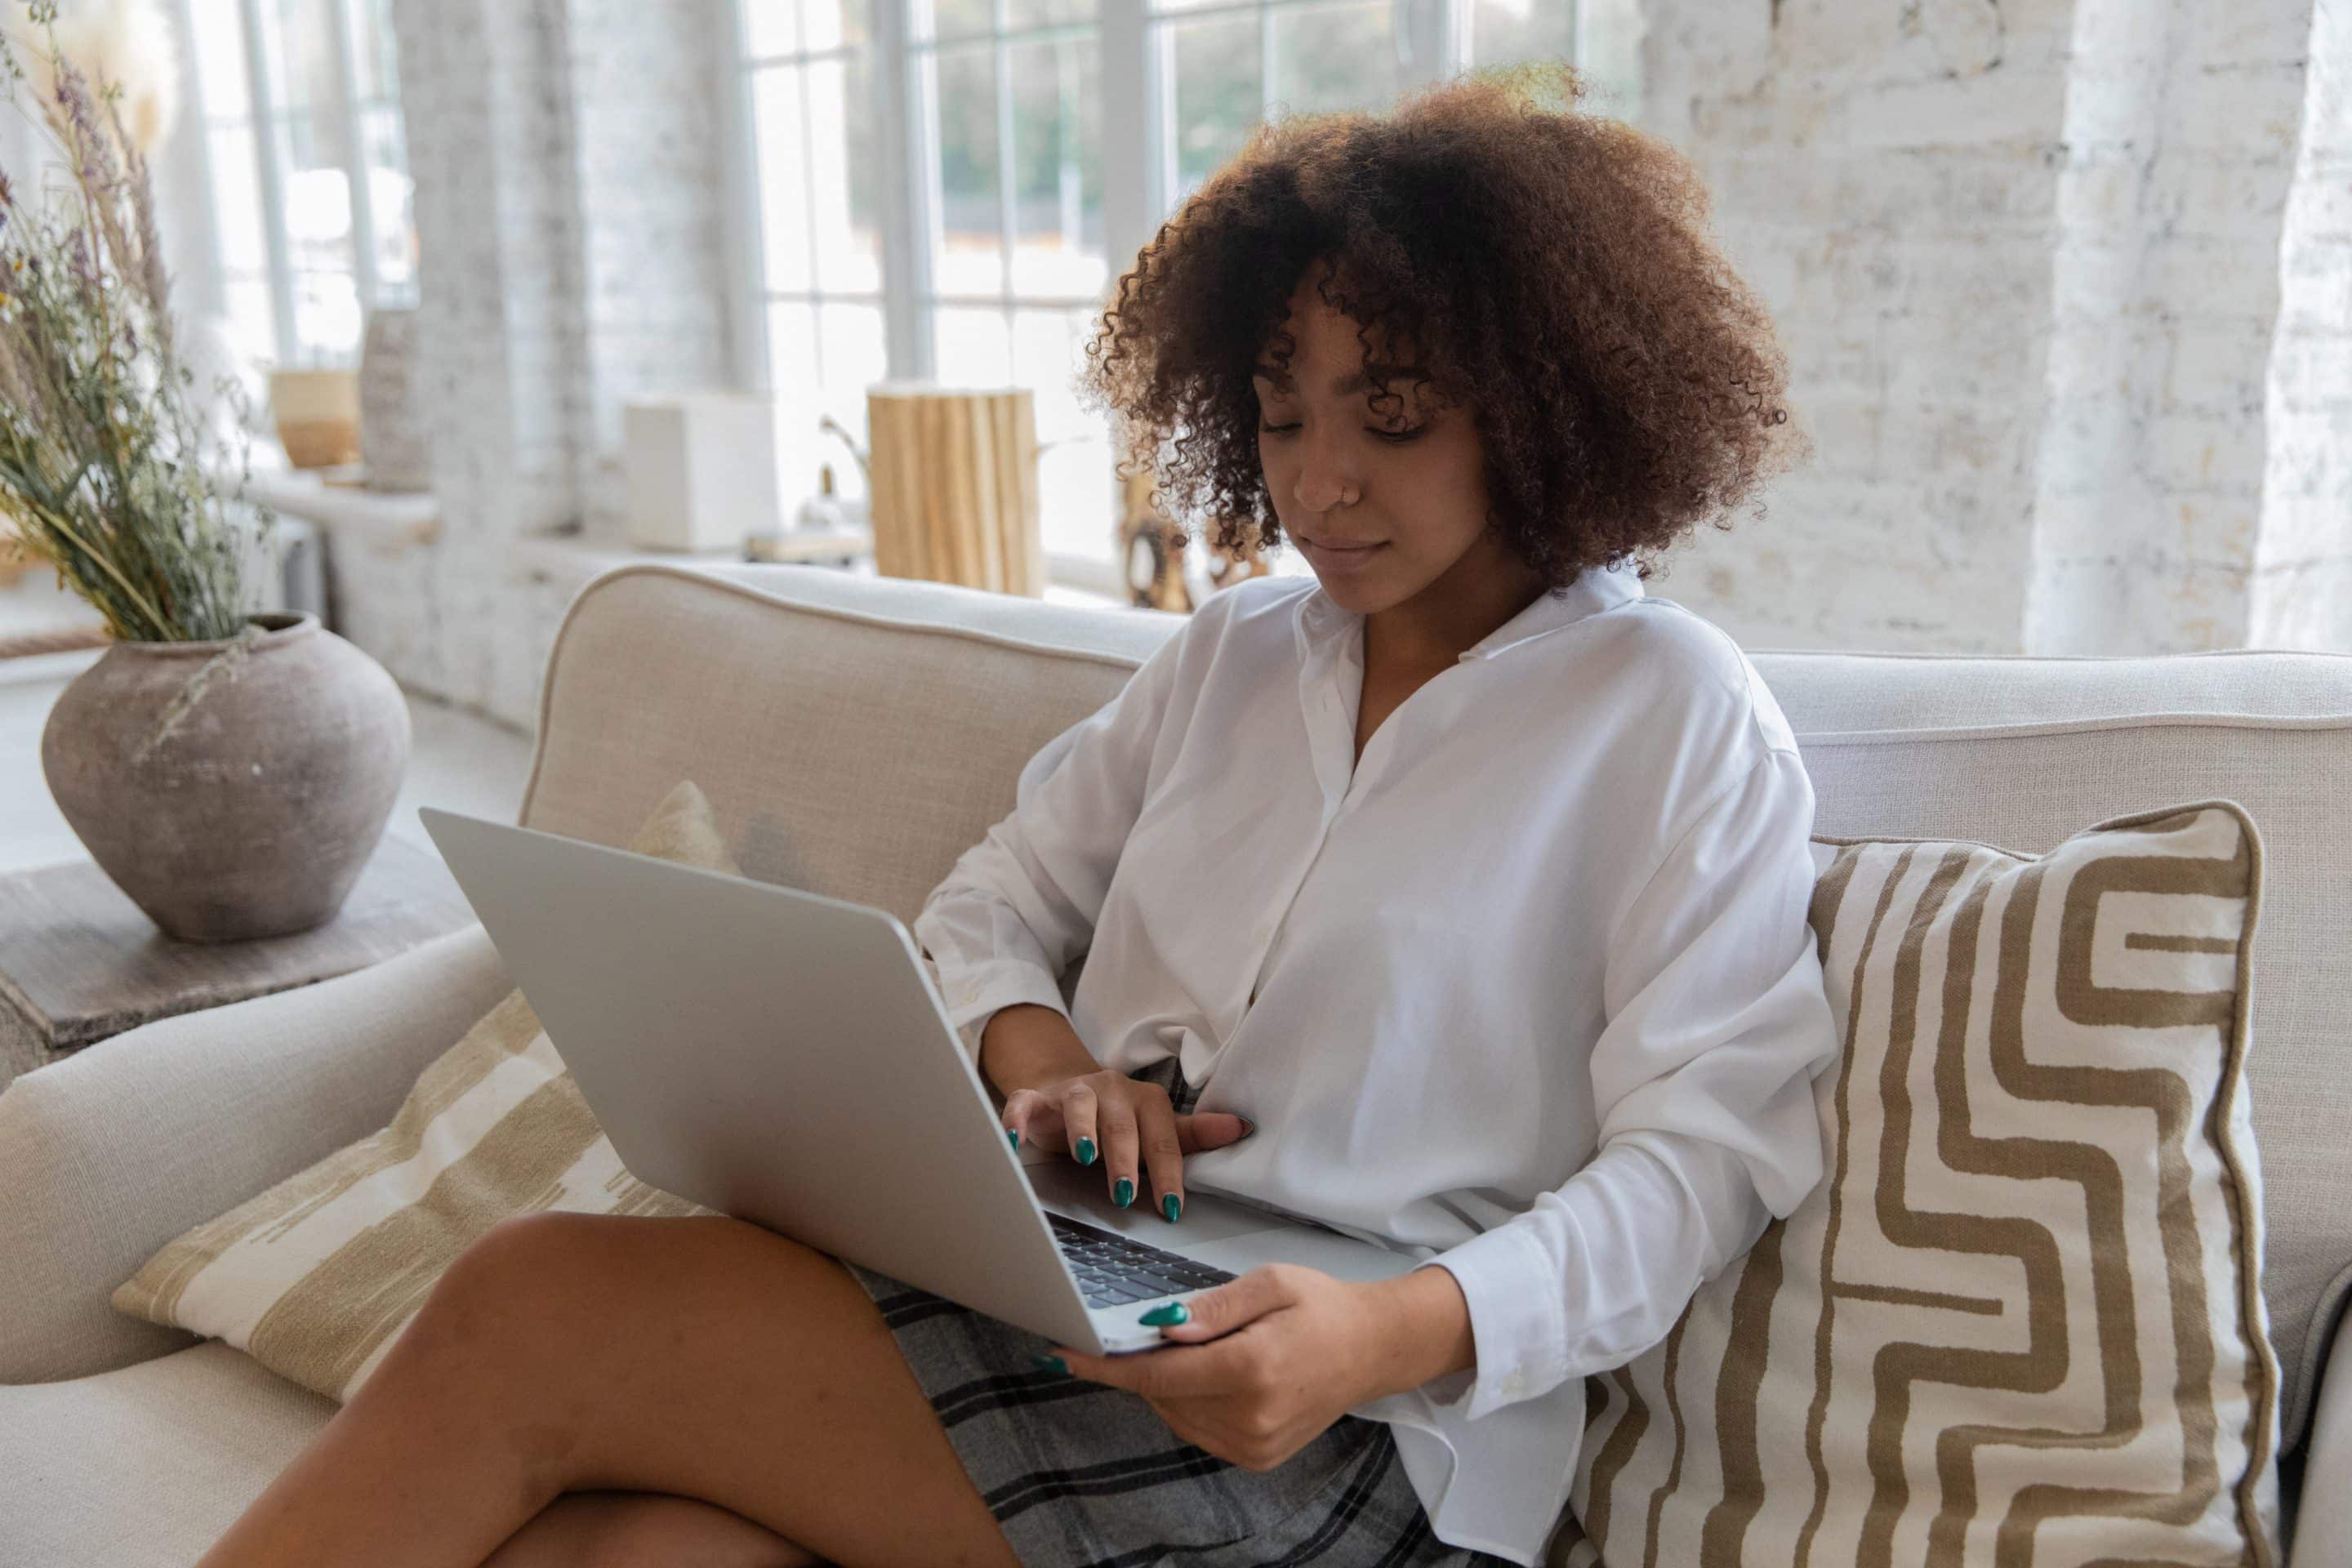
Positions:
{"x": 1113, "y": 1270}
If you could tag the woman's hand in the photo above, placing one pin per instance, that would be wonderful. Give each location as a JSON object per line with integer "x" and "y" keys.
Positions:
{"x": 1288, "y": 1351}
{"x": 1127, "y": 1124}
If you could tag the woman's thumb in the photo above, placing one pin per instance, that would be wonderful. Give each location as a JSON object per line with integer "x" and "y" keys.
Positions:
{"x": 1206, "y": 1130}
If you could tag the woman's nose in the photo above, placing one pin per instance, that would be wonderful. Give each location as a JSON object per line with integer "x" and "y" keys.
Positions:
{"x": 1324, "y": 481}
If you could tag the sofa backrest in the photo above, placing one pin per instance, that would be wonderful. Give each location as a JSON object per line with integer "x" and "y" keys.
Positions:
{"x": 856, "y": 734}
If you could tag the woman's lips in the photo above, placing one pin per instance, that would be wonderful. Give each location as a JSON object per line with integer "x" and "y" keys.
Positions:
{"x": 1338, "y": 558}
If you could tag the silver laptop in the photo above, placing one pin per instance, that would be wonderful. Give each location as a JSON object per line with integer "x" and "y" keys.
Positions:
{"x": 784, "y": 1058}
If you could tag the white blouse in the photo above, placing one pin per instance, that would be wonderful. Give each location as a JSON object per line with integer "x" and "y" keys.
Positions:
{"x": 1527, "y": 992}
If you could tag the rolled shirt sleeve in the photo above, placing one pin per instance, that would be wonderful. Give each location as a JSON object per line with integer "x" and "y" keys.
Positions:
{"x": 1018, "y": 905}
{"x": 1716, "y": 1025}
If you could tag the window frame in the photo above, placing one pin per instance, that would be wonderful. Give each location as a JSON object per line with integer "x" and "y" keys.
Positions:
{"x": 261, "y": 114}
{"x": 1140, "y": 165}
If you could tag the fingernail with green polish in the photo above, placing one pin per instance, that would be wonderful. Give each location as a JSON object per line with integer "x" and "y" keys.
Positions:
{"x": 1053, "y": 1364}
{"x": 1122, "y": 1192}
{"x": 1172, "y": 1205}
{"x": 1085, "y": 1151}
{"x": 1166, "y": 1314}
{"x": 1013, "y": 1137}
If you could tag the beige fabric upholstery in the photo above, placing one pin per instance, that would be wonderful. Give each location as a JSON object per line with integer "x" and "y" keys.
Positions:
{"x": 2023, "y": 1303}
{"x": 145, "y": 1466}
{"x": 2014, "y": 752}
{"x": 317, "y": 1277}
{"x": 107, "y": 1156}
{"x": 764, "y": 683}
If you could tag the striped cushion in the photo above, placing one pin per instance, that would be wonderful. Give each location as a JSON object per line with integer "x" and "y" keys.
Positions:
{"x": 316, "y": 1276}
{"x": 2021, "y": 1321}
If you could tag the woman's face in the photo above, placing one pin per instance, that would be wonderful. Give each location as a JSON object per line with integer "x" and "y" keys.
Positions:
{"x": 1385, "y": 507}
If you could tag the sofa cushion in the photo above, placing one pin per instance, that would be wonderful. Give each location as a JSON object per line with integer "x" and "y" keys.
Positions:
{"x": 868, "y": 731}
{"x": 2024, "y": 1307}
{"x": 316, "y": 1276}
{"x": 145, "y": 1466}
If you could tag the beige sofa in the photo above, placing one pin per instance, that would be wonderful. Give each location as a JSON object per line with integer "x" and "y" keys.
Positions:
{"x": 854, "y": 735}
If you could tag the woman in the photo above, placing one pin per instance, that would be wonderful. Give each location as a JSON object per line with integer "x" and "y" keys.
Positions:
{"x": 1453, "y": 898}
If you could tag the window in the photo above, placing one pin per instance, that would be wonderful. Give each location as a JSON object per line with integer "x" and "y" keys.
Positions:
{"x": 300, "y": 102}
{"x": 947, "y": 189}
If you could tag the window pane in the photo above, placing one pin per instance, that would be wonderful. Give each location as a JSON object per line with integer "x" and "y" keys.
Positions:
{"x": 832, "y": 23}
{"x": 392, "y": 197}
{"x": 1039, "y": 13}
{"x": 219, "y": 34}
{"x": 848, "y": 174}
{"x": 327, "y": 317}
{"x": 1046, "y": 356}
{"x": 950, "y": 18}
{"x": 301, "y": 52}
{"x": 784, "y": 176}
{"x": 252, "y": 327}
{"x": 1216, "y": 98}
{"x": 854, "y": 361}
{"x": 793, "y": 375}
{"x": 969, "y": 349}
{"x": 236, "y": 199}
{"x": 1057, "y": 169}
{"x": 971, "y": 258}
{"x": 318, "y": 218}
{"x": 379, "y": 69}
{"x": 1075, "y": 499}
{"x": 1336, "y": 57}
{"x": 770, "y": 27}
{"x": 1608, "y": 48}
{"x": 792, "y": 345}
{"x": 1504, "y": 32}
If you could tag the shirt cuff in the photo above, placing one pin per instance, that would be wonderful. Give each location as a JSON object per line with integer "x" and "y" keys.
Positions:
{"x": 973, "y": 995}
{"x": 1518, "y": 1321}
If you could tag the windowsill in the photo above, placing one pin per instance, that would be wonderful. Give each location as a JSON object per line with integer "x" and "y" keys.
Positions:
{"x": 387, "y": 520}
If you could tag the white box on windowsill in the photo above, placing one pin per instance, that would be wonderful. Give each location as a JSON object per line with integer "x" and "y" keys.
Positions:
{"x": 701, "y": 469}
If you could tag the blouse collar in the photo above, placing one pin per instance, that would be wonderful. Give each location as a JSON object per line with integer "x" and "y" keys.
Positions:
{"x": 1320, "y": 617}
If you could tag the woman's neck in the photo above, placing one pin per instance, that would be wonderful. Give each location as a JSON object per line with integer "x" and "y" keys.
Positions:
{"x": 1460, "y": 607}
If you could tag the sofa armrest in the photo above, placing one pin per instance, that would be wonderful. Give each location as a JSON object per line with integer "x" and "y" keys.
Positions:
{"x": 2322, "y": 1522}
{"x": 111, "y": 1152}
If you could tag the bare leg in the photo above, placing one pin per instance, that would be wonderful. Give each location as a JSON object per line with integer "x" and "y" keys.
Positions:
{"x": 643, "y": 1529}
{"x": 702, "y": 1357}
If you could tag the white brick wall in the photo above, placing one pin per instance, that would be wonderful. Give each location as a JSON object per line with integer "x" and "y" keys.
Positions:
{"x": 2302, "y": 567}
{"x": 2026, "y": 256}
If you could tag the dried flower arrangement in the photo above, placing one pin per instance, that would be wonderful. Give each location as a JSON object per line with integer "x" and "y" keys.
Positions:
{"x": 102, "y": 451}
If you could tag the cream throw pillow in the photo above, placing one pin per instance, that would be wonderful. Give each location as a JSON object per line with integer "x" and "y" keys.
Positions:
{"x": 2021, "y": 1321}
{"x": 316, "y": 1276}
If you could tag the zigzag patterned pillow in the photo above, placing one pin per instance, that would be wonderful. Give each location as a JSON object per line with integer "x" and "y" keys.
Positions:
{"x": 315, "y": 1277}
{"x": 2021, "y": 1321}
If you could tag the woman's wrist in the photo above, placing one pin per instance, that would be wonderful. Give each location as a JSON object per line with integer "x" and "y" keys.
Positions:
{"x": 1026, "y": 1046}
{"x": 1422, "y": 1330}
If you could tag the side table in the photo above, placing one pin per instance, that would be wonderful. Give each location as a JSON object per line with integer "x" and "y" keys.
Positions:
{"x": 79, "y": 962}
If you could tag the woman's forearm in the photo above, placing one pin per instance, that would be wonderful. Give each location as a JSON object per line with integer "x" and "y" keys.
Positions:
{"x": 1427, "y": 1321}
{"x": 1025, "y": 1045}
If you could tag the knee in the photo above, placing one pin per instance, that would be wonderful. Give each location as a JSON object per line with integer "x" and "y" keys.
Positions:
{"x": 510, "y": 1275}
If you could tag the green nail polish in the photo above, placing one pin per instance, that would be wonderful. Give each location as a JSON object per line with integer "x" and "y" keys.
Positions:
{"x": 1053, "y": 1364}
{"x": 1172, "y": 1205}
{"x": 1167, "y": 1313}
{"x": 1014, "y": 1138}
{"x": 1085, "y": 1151}
{"x": 1122, "y": 1192}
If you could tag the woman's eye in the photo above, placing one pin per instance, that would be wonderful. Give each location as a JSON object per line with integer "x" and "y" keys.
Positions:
{"x": 1277, "y": 429}
{"x": 1398, "y": 435}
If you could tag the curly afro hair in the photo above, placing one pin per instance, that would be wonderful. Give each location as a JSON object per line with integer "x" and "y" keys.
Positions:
{"x": 1550, "y": 268}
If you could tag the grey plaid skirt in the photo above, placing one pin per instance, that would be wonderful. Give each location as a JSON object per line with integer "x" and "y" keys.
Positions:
{"x": 1082, "y": 1473}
